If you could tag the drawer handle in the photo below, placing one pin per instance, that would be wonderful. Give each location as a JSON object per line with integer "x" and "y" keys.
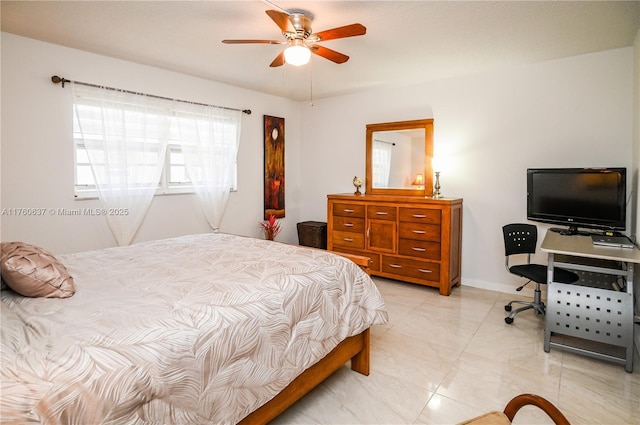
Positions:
{"x": 348, "y": 224}
{"x": 424, "y": 271}
{"x": 395, "y": 266}
{"x": 348, "y": 211}
{"x": 419, "y": 216}
{"x": 419, "y": 232}
{"x": 415, "y": 248}
{"x": 348, "y": 239}
{"x": 381, "y": 213}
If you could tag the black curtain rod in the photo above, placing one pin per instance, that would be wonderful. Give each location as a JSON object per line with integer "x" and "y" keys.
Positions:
{"x": 384, "y": 141}
{"x": 60, "y": 80}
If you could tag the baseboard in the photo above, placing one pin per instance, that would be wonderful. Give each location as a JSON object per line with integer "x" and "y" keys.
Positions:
{"x": 507, "y": 288}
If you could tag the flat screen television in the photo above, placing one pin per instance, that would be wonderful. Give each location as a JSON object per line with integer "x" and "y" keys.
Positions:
{"x": 593, "y": 198}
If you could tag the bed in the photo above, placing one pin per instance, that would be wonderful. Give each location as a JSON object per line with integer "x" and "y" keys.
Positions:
{"x": 209, "y": 328}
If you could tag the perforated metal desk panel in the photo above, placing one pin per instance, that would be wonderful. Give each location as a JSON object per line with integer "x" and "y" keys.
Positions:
{"x": 599, "y": 306}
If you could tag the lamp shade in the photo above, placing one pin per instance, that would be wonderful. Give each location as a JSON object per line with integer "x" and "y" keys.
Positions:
{"x": 297, "y": 54}
{"x": 419, "y": 180}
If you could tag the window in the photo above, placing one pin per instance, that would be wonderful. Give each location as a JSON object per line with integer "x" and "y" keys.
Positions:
{"x": 381, "y": 163}
{"x": 177, "y": 169}
{"x": 175, "y": 177}
{"x": 140, "y": 145}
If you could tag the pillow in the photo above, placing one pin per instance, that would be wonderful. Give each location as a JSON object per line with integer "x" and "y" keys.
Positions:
{"x": 33, "y": 272}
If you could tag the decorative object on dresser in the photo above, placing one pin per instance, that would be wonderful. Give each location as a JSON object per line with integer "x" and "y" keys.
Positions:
{"x": 437, "y": 165}
{"x": 437, "y": 187}
{"x": 409, "y": 238}
{"x": 357, "y": 182}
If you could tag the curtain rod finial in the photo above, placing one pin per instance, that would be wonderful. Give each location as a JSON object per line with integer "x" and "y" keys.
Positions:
{"x": 55, "y": 79}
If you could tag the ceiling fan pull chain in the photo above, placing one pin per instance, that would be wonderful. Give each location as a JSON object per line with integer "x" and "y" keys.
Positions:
{"x": 311, "y": 84}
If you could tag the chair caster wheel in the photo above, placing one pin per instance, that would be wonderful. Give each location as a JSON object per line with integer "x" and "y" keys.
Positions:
{"x": 508, "y": 320}
{"x": 507, "y": 307}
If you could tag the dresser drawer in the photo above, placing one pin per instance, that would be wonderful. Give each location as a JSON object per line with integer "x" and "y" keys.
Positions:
{"x": 420, "y": 215}
{"x": 348, "y": 239}
{"x": 425, "y": 232}
{"x": 422, "y": 249}
{"x": 411, "y": 268}
{"x": 374, "y": 264}
{"x": 348, "y": 224}
{"x": 348, "y": 210}
{"x": 381, "y": 212}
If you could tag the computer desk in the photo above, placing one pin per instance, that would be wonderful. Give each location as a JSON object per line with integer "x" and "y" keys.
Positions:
{"x": 599, "y": 307}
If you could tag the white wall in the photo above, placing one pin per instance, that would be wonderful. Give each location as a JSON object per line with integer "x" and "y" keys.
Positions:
{"x": 37, "y": 148}
{"x": 569, "y": 112}
{"x": 572, "y": 112}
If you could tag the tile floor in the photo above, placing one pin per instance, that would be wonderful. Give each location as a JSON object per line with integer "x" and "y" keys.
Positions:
{"x": 441, "y": 360}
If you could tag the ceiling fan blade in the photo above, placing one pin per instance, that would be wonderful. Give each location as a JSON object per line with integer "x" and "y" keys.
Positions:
{"x": 253, "y": 42}
{"x": 341, "y": 32}
{"x": 332, "y": 55}
{"x": 282, "y": 20}
{"x": 278, "y": 61}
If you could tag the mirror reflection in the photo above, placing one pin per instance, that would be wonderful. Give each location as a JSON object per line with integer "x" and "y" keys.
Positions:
{"x": 398, "y": 159}
{"x": 399, "y": 156}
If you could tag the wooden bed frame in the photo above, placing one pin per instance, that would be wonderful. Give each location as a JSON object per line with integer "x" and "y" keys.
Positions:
{"x": 354, "y": 348}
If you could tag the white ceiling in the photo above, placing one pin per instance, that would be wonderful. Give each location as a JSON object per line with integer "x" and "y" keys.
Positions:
{"x": 407, "y": 42}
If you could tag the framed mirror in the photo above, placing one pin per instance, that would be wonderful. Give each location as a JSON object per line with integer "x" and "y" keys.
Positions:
{"x": 399, "y": 158}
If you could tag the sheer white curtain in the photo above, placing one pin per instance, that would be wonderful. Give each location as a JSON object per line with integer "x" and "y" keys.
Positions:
{"x": 210, "y": 139}
{"x": 381, "y": 163}
{"x": 125, "y": 136}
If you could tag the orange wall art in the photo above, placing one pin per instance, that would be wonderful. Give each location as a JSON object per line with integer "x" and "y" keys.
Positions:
{"x": 273, "y": 167}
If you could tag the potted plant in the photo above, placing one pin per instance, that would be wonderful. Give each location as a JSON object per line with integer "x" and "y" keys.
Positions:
{"x": 270, "y": 227}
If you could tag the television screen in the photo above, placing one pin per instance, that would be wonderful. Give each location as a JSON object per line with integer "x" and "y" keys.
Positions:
{"x": 578, "y": 197}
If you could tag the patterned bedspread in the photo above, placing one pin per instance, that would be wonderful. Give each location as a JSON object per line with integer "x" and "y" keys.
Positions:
{"x": 191, "y": 330}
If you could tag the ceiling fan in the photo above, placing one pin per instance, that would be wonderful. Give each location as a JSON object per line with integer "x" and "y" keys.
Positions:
{"x": 295, "y": 25}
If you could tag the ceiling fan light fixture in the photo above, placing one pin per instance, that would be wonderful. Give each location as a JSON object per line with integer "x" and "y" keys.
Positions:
{"x": 295, "y": 26}
{"x": 297, "y": 54}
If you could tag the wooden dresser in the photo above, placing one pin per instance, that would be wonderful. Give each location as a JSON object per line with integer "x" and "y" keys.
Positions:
{"x": 409, "y": 238}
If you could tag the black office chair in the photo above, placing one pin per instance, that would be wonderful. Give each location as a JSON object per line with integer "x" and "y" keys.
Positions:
{"x": 522, "y": 239}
